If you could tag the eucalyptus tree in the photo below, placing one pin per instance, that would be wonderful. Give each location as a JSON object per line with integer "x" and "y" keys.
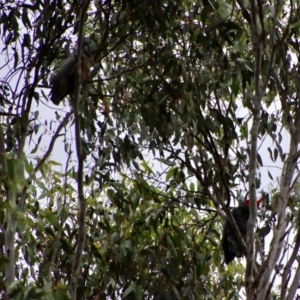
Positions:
{"x": 189, "y": 107}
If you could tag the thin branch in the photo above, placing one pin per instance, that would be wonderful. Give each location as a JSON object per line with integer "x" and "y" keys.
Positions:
{"x": 257, "y": 48}
{"x": 82, "y": 231}
{"x": 52, "y": 142}
{"x": 2, "y": 153}
{"x": 245, "y": 12}
{"x": 287, "y": 269}
{"x": 283, "y": 97}
{"x": 276, "y": 272}
{"x": 45, "y": 157}
{"x": 295, "y": 182}
{"x": 11, "y": 217}
{"x": 295, "y": 284}
{"x": 260, "y": 249}
{"x": 262, "y": 281}
{"x": 56, "y": 241}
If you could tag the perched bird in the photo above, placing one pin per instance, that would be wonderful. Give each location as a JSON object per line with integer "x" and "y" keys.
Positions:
{"x": 63, "y": 83}
{"x": 230, "y": 242}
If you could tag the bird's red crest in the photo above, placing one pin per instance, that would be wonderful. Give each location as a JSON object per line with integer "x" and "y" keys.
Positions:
{"x": 258, "y": 202}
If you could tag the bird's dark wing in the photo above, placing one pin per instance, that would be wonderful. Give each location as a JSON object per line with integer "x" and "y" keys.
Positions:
{"x": 230, "y": 243}
{"x": 63, "y": 82}
{"x": 241, "y": 216}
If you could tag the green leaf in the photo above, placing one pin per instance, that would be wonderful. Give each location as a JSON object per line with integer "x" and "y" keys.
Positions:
{"x": 130, "y": 289}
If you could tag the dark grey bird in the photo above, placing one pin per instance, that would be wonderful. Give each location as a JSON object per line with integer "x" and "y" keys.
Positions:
{"x": 63, "y": 83}
{"x": 230, "y": 242}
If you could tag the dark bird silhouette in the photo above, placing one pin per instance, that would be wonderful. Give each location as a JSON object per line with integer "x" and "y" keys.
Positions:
{"x": 230, "y": 242}
{"x": 63, "y": 83}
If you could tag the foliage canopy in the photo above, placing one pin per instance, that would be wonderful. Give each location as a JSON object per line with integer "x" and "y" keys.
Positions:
{"x": 191, "y": 106}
